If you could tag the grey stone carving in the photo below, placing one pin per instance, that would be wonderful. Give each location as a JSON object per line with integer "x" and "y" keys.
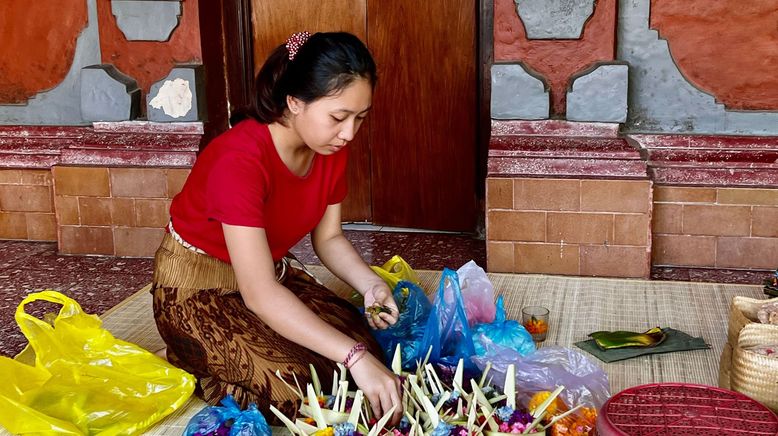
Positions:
{"x": 599, "y": 95}
{"x": 178, "y": 97}
{"x": 660, "y": 98}
{"x": 108, "y": 95}
{"x": 146, "y": 20}
{"x": 517, "y": 94}
{"x": 554, "y": 19}
{"x": 61, "y": 105}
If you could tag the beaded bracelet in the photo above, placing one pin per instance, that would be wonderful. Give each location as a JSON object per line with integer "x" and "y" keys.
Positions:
{"x": 359, "y": 346}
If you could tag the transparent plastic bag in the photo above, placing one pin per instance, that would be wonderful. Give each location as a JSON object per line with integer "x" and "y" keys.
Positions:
{"x": 410, "y": 327}
{"x": 228, "y": 419}
{"x": 477, "y": 293}
{"x": 395, "y": 270}
{"x": 505, "y": 333}
{"x": 584, "y": 381}
{"x": 84, "y": 380}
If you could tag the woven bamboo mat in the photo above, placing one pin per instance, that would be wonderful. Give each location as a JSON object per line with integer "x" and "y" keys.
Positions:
{"x": 578, "y": 306}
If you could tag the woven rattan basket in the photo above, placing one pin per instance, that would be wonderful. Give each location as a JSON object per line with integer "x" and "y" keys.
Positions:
{"x": 745, "y": 371}
{"x": 753, "y": 374}
{"x": 742, "y": 312}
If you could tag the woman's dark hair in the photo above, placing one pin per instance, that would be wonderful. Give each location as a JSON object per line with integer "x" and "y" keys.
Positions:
{"x": 326, "y": 64}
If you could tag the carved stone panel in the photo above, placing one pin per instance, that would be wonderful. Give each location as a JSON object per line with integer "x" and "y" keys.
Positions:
{"x": 178, "y": 97}
{"x": 108, "y": 95}
{"x": 554, "y": 19}
{"x": 517, "y": 94}
{"x": 146, "y": 20}
{"x": 599, "y": 95}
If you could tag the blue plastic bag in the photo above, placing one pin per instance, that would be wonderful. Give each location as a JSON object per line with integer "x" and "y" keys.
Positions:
{"x": 228, "y": 420}
{"x": 409, "y": 329}
{"x": 505, "y": 333}
{"x": 448, "y": 331}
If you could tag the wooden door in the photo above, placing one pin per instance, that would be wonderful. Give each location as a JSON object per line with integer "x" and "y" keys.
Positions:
{"x": 413, "y": 163}
{"x": 423, "y": 126}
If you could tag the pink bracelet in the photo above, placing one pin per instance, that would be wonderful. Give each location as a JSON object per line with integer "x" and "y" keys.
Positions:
{"x": 359, "y": 346}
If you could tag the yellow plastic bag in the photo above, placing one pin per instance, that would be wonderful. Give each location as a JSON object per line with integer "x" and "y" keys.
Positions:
{"x": 395, "y": 270}
{"x": 84, "y": 380}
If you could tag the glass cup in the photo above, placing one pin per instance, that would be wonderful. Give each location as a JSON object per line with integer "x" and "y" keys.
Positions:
{"x": 535, "y": 320}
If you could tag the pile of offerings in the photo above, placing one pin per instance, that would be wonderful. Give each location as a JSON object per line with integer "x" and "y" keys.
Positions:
{"x": 435, "y": 407}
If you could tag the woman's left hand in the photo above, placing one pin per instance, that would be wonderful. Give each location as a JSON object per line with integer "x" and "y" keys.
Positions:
{"x": 380, "y": 308}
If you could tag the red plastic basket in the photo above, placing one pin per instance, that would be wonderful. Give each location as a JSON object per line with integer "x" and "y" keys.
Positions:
{"x": 684, "y": 409}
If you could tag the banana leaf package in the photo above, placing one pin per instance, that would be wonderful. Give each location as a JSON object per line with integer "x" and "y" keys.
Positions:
{"x": 614, "y": 346}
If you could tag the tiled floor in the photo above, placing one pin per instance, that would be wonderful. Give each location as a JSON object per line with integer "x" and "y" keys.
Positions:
{"x": 99, "y": 283}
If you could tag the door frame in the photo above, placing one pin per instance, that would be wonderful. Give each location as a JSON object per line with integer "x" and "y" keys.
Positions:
{"x": 228, "y": 60}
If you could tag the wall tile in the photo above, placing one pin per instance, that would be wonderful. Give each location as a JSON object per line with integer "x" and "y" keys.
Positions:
{"x": 615, "y": 196}
{"x": 139, "y": 182}
{"x": 631, "y": 229}
{"x": 36, "y": 177}
{"x": 547, "y": 258}
{"x": 123, "y": 212}
{"x": 766, "y": 197}
{"x": 747, "y": 253}
{"x": 683, "y": 250}
{"x": 10, "y": 177}
{"x": 716, "y": 220}
{"x": 574, "y": 228}
{"x": 546, "y": 194}
{"x": 612, "y": 261}
{"x": 95, "y": 211}
{"x": 765, "y": 222}
{"x": 677, "y": 194}
{"x": 175, "y": 180}
{"x": 152, "y": 213}
{"x": 81, "y": 181}
{"x": 13, "y": 225}
{"x": 66, "y": 209}
{"x": 41, "y": 227}
{"x": 667, "y": 218}
{"x": 25, "y": 198}
{"x": 137, "y": 242}
{"x": 515, "y": 226}
{"x": 499, "y": 257}
{"x": 86, "y": 240}
{"x": 499, "y": 193}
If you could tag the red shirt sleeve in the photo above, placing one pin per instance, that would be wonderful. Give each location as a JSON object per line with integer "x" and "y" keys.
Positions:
{"x": 236, "y": 190}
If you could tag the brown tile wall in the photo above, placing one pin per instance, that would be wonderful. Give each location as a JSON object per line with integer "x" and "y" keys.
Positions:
{"x": 26, "y": 205}
{"x": 569, "y": 226}
{"x": 715, "y": 227}
{"x": 113, "y": 211}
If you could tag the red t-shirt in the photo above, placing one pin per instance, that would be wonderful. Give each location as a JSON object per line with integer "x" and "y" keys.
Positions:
{"x": 240, "y": 179}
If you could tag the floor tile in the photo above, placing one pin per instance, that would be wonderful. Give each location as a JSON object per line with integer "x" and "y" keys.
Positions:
{"x": 14, "y": 252}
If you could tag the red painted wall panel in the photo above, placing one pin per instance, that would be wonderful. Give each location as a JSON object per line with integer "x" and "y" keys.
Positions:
{"x": 150, "y": 61}
{"x": 38, "y": 44}
{"x": 555, "y": 60}
{"x": 728, "y": 48}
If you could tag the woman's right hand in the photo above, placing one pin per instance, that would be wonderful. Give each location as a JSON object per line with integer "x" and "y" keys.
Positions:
{"x": 381, "y": 387}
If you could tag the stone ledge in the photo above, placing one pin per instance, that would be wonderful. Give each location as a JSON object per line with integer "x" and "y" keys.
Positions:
{"x": 104, "y": 144}
{"x": 559, "y": 149}
{"x": 554, "y": 128}
{"x": 709, "y": 274}
{"x": 707, "y": 160}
